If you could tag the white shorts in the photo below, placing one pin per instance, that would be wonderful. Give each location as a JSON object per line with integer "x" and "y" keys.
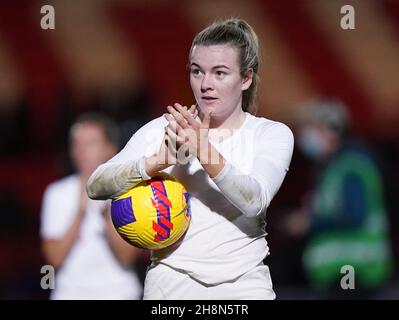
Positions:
{"x": 165, "y": 283}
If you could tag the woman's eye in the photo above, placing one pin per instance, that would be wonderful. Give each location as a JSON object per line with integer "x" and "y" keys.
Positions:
{"x": 220, "y": 73}
{"x": 195, "y": 71}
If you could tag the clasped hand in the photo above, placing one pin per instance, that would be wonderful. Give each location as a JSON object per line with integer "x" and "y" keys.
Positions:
{"x": 185, "y": 132}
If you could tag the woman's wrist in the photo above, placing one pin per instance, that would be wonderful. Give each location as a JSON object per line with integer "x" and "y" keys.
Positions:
{"x": 153, "y": 165}
{"x": 211, "y": 160}
{"x": 150, "y": 165}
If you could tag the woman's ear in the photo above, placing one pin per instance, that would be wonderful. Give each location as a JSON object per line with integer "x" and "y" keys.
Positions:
{"x": 247, "y": 79}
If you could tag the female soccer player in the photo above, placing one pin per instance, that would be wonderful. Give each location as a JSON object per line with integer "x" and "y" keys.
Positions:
{"x": 236, "y": 164}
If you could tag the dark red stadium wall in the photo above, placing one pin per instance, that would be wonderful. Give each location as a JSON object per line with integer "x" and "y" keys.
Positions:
{"x": 163, "y": 37}
{"x": 31, "y": 50}
{"x": 314, "y": 52}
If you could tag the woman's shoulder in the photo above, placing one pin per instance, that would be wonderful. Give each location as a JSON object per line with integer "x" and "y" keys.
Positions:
{"x": 273, "y": 137}
{"x": 270, "y": 127}
{"x": 155, "y": 125}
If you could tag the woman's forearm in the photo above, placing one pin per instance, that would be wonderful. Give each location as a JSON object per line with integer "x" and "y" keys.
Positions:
{"x": 211, "y": 160}
{"x": 242, "y": 190}
{"x": 109, "y": 180}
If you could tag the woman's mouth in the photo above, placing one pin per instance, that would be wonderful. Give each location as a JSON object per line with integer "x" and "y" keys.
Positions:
{"x": 208, "y": 99}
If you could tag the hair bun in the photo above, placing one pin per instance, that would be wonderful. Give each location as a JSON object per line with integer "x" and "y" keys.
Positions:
{"x": 238, "y": 23}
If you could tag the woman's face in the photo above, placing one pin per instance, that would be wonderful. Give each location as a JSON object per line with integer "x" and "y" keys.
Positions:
{"x": 89, "y": 147}
{"x": 216, "y": 80}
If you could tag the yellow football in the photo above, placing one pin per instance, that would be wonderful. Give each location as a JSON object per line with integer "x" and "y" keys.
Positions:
{"x": 154, "y": 214}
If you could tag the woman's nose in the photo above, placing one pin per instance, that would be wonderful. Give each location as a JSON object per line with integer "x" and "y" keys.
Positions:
{"x": 207, "y": 83}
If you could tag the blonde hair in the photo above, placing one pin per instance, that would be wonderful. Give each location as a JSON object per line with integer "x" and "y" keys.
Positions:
{"x": 240, "y": 35}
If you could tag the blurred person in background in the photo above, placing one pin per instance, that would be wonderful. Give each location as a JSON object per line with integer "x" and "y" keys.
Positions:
{"x": 344, "y": 218}
{"x": 78, "y": 238}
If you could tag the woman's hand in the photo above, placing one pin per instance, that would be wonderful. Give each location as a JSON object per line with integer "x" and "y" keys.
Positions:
{"x": 168, "y": 153}
{"x": 187, "y": 133}
{"x": 191, "y": 135}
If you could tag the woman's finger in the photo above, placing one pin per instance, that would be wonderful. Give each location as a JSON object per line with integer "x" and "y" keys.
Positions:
{"x": 206, "y": 121}
{"x": 194, "y": 111}
{"x": 174, "y": 138}
{"x": 173, "y": 124}
{"x": 187, "y": 116}
{"x": 178, "y": 117}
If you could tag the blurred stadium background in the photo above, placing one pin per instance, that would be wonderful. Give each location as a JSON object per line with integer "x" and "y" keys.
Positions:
{"x": 128, "y": 59}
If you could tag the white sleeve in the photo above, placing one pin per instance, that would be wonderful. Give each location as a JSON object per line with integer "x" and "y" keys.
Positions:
{"x": 252, "y": 193}
{"x": 125, "y": 169}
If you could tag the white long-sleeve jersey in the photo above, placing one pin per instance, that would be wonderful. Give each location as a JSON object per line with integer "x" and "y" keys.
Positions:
{"x": 226, "y": 236}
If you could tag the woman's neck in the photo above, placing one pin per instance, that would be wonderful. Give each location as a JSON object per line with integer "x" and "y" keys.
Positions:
{"x": 233, "y": 122}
